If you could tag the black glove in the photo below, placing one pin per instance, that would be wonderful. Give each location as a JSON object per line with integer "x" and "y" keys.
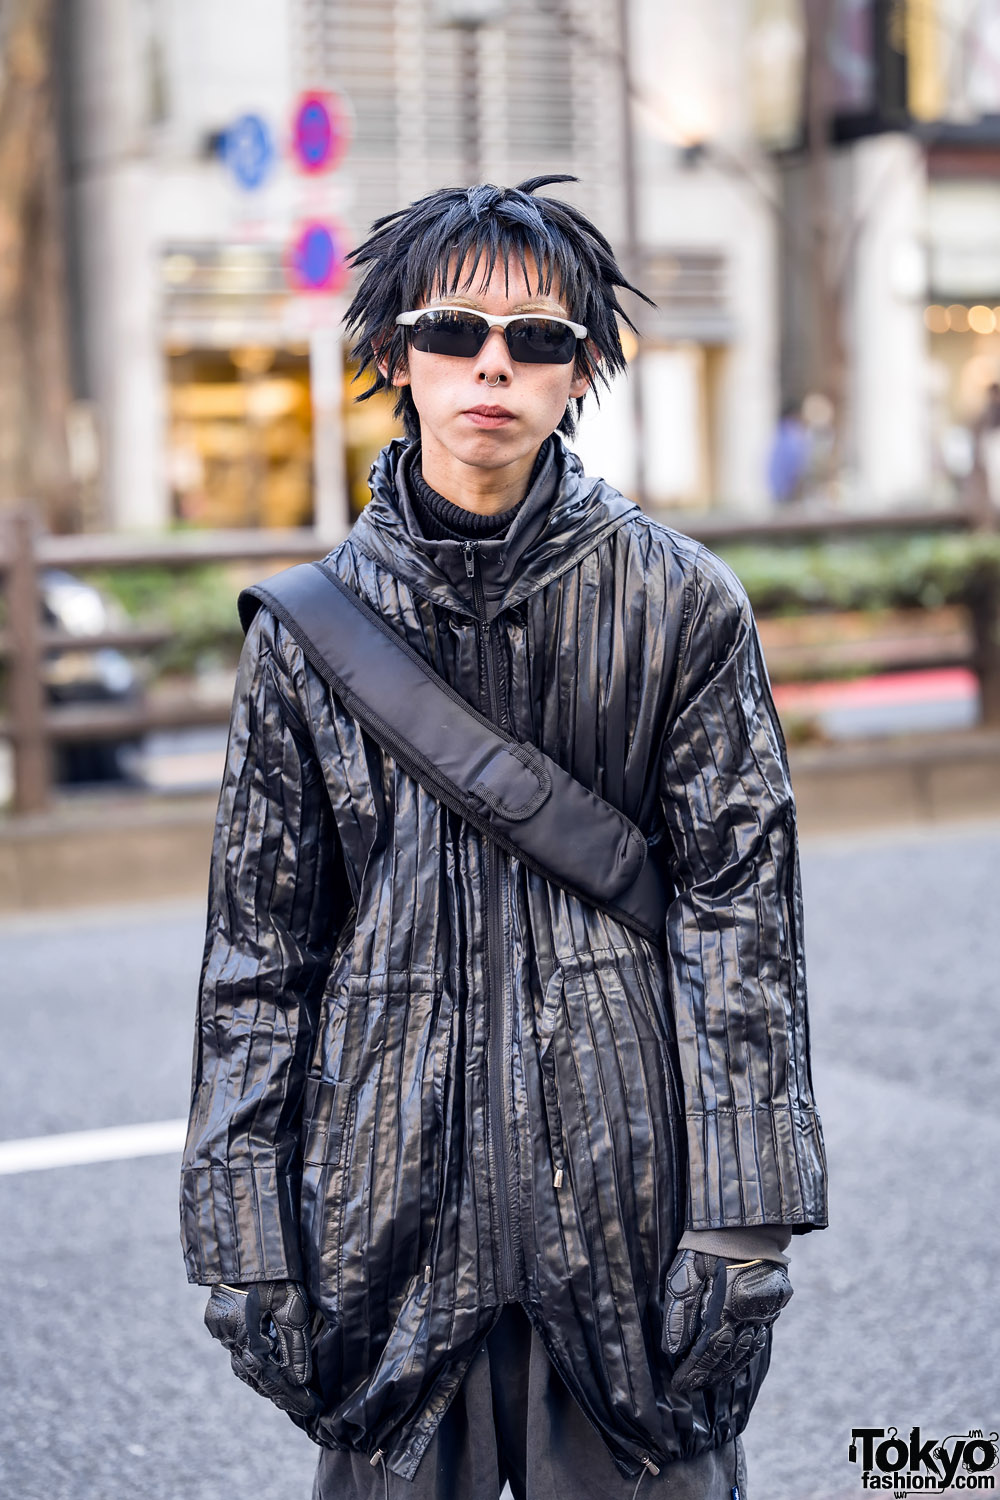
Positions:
{"x": 265, "y": 1325}
{"x": 718, "y": 1313}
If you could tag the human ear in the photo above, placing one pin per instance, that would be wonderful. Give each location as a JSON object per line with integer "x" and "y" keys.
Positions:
{"x": 582, "y": 383}
{"x": 401, "y": 374}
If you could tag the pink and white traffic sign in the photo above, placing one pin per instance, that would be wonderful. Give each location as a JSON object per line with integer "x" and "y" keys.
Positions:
{"x": 315, "y": 260}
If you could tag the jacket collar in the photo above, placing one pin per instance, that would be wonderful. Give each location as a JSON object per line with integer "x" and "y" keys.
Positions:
{"x": 564, "y": 516}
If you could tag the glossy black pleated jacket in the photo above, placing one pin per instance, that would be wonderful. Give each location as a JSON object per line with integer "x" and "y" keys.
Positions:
{"x": 427, "y": 1080}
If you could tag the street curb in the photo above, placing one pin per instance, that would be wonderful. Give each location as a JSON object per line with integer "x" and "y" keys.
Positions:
{"x": 920, "y": 779}
{"x": 105, "y": 850}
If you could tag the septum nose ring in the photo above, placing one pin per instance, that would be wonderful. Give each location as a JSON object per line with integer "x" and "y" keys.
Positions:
{"x": 497, "y": 381}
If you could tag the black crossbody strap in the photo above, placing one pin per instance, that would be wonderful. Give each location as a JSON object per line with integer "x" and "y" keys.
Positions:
{"x": 511, "y": 791}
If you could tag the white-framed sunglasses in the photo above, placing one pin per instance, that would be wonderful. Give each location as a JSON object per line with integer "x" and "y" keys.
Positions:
{"x": 532, "y": 338}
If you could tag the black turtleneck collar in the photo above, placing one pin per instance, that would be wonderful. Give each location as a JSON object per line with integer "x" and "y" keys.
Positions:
{"x": 441, "y": 520}
{"x": 564, "y": 515}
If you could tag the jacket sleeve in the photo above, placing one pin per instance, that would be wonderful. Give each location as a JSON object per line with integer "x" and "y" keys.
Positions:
{"x": 274, "y": 896}
{"x": 734, "y": 928}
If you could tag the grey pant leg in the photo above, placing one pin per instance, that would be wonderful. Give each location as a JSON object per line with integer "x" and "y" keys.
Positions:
{"x": 715, "y": 1474}
{"x": 591, "y": 1475}
{"x": 460, "y": 1462}
{"x": 568, "y": 1459}
{"x": 513, "y": 1419}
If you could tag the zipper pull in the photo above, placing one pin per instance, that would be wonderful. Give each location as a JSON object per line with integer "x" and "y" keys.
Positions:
{"x": 427, "y": 1275}
{"x": 470, "y": 559}
{"x": 557, "y": 1180}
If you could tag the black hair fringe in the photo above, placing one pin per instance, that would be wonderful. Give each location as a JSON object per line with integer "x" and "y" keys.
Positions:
{"x": 421, "y": 252}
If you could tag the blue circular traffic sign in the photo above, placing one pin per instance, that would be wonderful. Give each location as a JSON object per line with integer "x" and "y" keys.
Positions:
{"x": 248, "y": 150}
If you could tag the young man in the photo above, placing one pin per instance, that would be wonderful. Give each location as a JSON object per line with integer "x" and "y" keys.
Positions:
{"x": 491, "y": 1178}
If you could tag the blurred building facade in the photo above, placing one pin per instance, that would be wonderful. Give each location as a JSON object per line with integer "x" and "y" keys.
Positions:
{"x": 888, "y": 155}
{"x": 217, "y": 391}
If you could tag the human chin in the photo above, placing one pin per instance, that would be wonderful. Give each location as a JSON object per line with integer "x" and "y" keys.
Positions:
{"x": 486, "y": 448}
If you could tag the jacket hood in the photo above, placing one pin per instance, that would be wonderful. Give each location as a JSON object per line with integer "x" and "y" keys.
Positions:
{"x": 558, "y": 524}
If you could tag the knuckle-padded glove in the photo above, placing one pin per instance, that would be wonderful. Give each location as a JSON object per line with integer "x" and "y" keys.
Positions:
{"x": 265, "y": 1325}
{"x": 718, "y": 1313}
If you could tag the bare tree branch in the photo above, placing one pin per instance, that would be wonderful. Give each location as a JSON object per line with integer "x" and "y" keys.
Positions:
{"x": 34, "y": 355}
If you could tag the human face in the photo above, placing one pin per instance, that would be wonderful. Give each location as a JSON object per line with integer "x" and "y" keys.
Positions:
{"x": 488, "y": 413}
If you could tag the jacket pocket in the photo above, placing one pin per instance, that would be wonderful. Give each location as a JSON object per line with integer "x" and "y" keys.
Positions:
{"x": 385, "y": 1199}
{"x": 326, "y": 1107}
{"x": 612, "y": 1106}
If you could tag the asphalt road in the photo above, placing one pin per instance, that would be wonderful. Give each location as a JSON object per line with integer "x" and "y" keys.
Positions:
{"x": 112, "y": 1390}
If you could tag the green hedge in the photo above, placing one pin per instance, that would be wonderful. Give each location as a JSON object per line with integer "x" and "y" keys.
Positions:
{"x": 196, "y": 604}
{"x": 923, "y": 572}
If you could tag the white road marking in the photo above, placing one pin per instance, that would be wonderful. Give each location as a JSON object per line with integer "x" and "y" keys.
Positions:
{"x": 78, "y": 1147}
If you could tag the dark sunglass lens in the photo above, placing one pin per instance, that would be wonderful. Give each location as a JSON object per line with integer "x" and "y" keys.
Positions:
{"x": 541, "y": 341}
{"x": 449, "y": 333}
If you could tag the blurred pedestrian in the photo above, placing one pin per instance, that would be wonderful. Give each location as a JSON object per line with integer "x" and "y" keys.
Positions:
{"x": 987, "y": 450}
{"x": 502, "y": 1113}
{"x": 788, "y": 462}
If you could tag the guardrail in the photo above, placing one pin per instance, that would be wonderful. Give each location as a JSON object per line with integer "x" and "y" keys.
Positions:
{"x": 34, "y": 727}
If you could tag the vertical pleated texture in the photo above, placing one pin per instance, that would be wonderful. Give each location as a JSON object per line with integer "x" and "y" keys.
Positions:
{"x": 274, "y": 906}
{"x": 340, "y": 1130}
{"x": 734, "y": 929}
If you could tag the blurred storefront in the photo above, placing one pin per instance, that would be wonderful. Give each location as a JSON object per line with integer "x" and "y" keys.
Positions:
{"x": 256, "y": 385}
{"x": 216, "y": 370}
{"x": 819, "y": 228}
{"x": 239, "y": 416}
{"x": 888, "y": 151}
{"x": 689, "y": 347}
{"x": 962, "y": 316}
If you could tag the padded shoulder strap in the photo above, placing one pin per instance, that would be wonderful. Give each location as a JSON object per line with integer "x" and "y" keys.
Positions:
{"x": 511, "y": 791}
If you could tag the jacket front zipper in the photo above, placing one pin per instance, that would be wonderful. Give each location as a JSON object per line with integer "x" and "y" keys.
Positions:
{"x": 499, "y": 1040}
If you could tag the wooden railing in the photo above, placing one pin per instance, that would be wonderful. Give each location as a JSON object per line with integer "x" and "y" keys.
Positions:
{"x": 34, "y": 726}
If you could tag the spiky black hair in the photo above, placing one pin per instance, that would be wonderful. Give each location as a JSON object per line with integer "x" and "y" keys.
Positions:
{"x": 440, "y": 243}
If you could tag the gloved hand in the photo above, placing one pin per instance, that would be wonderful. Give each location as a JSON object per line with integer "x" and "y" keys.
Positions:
{"x": 718, "y": 1313}
{"x": 265, "y": 1325}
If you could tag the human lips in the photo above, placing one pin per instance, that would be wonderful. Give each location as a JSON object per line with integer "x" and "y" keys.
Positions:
{"x": 488, "y": 416}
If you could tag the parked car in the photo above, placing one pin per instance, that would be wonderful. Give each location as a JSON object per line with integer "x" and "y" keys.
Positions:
{"x": 101, "y": 674}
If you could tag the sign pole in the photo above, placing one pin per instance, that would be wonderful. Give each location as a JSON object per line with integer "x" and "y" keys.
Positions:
{"x": 326, "y": 372}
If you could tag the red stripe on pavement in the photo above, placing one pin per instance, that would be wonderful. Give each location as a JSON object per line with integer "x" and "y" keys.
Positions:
{"x": 947, "y": 684}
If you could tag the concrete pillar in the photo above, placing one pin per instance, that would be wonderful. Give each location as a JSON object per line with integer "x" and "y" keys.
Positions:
{"x": 890, "y": 447}
{"x": 747, "y": 396}
{"x": 118, "y": 281}
{"x": 326, "y": 362}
